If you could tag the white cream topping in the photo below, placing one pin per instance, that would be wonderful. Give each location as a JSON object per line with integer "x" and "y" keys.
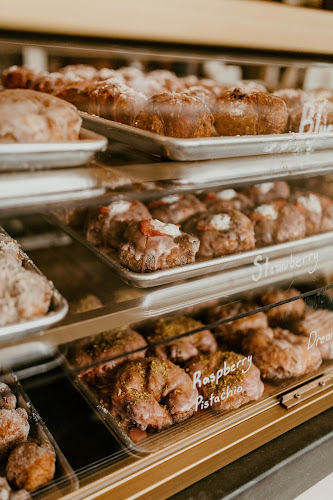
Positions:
{"x": 169, "y": 229}
{"x": 172, "y": 198}
{"x": 267, "y": 211}
{"x": 265, "y": 187}
{"x": 118, "y": 207}
{"x": 311, "y": 203}
{"x": 220, "y": 222}
{"x": 227, "y": 194}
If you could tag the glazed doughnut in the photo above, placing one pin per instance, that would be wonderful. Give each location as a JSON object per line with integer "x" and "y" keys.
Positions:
{"x": 180, "y": 350}
{"x": 205, "y": 95}
{"x": 241, "y": 385}
{"x": 279, "y": 354}
{"x": 10, "y": 250}
{"x": 222, "y": 233}
{"x": 175, "y": 208}
{"x": 106, "y": 225}
{"x": 277, "y": 222}
{"x": 151, "y": 245}
{"x": 76, "y": 93}
{"x": 316, "y": 325}
{"x": 232, "y": 333}
{"x": 225, "y": 200}
{"x": 254, "y": 113}
{"x": 106, "y": 345}
{"x": 175, "y": 115}
{"x": 7, "y": 398}
{"x": 153, "y": 393}
{"x": 14, "y": 429}
{"x": 248, "y": 86}
{"x": 269, "y": 191}
{"x": 23, "y": 294}
{"x": 30, "y": 116}
{"x": 31, "y": 465}
{"x": 20, "y": 77}
{"x": 292, "y": 97}
{"x": 286, "y": 313}
{"x": 114, "y": 100}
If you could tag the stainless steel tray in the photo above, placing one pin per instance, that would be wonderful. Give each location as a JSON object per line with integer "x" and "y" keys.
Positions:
{"x": 205, "y": 422}
{"x": 58, "y": 310}
{"x": 207, "y": 148}
{"x": 199, "y": 268}
{"x": 22, "y": 190}
{"x": 65, "y": 480}
{"x": 52, "y": 154}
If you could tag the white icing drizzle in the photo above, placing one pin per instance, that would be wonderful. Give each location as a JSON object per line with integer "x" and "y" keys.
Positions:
{"x": 227, "y": 194}
{"x": 311, "y": 203}
{"x": 118, "y": 207}
{"x": 172, "y": 198}
{"x": 220, "y": 222}
{"x": 267, "y": 211}
{"x": 168, "y": 229}
{"x": 265, "y": 187}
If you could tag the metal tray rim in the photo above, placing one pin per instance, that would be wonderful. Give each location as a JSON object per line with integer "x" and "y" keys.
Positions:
{"x": 180, "y": 149}
{"x": 91, "y": 141}
{"x": 23, "y": 328}
{"x": 197, "y": 268}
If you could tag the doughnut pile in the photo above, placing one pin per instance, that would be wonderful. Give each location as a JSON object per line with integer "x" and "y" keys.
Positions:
{"x": 178, "y": 229}
{"x": 185, "y": 107}
{"x": 160, "y": 373}
{"x": 24, "y": 294}
{"x": 27, "y": 463}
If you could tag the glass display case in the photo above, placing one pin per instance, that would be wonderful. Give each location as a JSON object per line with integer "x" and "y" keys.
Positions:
{"x": 166, "y": 304}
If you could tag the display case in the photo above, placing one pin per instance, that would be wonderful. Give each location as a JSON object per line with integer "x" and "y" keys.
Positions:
{"x": 197, "y": 266}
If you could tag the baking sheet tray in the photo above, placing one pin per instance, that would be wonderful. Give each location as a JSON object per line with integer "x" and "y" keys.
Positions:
{"x": 58, "y": 310}
{"x": 65, "y": 480}
{"x": 52, "y": 154}
{"x": 198, "y": 268}
{"x": 204, "y": 422}
{"x": 207, "y": 148}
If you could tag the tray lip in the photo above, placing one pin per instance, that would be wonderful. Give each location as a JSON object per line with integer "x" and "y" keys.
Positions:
{"x": 243, "y": 412}
{"x": 10, "y": 376}
{"x": 91, "y": 141}
{"x": 169, "y": 145}
{"x": 24, "y": 328}
{"x": 147, "y": 280}
{"x": 103, "y": 414}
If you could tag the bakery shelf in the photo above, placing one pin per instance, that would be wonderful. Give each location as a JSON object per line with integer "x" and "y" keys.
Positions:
{"x": 82, "y": 274}
{"x": 21, "y": 190}
{"x": 227, "y": 23}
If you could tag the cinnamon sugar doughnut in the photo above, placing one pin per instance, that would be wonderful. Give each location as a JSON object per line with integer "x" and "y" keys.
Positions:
{"x": 14, "y": 429}
{"x": 114, "y": 100}
{"x": 31, "y": 465}
{"x": 254, "y": 113}
{"x": 175, "y": 115}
